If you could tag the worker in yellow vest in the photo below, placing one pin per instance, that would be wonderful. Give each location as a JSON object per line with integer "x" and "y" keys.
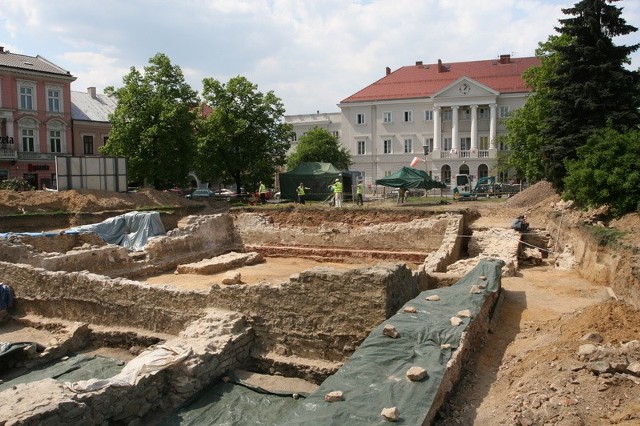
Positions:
{"x": 359, "y": 192}
{"x": 262, "y": 191}
{"x": 300, "y": 191}
{"x": 337, "y": 190}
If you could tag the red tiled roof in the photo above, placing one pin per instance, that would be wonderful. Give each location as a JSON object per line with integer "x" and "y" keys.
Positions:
{"x": 422, "y": 81}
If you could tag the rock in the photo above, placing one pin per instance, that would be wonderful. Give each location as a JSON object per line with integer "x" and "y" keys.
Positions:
{"x": 232, "y": 278}
{"x": 391, "y": 414}
{"x": 433, "y": 298}
{"x": 599, "y": 367}
{"x": 390, "y": 330}
{"x": 445, "y": 346}
{"x": 415, "y": 374}
{"x": 334, "y": 396}
{"x": 475, "y": 289}
{"x": 586, "y": 350}
{"x": 482, "y": 277}
{"x": 634, "y": 368}
{"x": 455, "y": 321}
{"x": 464, "y": 314}
{"x": 410, "y": 310}
{"x": 593, "y": 337}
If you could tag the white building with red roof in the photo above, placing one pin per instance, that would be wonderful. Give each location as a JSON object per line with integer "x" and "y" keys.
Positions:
{"x": 452, "y": 111}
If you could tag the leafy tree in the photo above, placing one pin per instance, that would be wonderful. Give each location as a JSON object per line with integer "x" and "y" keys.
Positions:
{"x": 318, "y": 145}
{"x": 153, "y": 124}
{"x": 590, "y": 86}
{"x": 525, "y": 137}
{"x": 244, "y": 139}
{"x": 606, "y": 171}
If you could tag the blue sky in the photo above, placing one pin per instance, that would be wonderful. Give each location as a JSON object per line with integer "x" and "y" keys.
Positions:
{"x": 310, "y": 53}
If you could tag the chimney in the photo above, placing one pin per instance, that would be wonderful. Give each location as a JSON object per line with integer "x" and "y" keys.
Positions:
{"x": 440, "y": 66}
{"x": 388, "y": 71}
{"x": 505, "y": 59}
{"x": 419, "y": 64}
{"x": 1, "y": 49}
{"x": 92, "y": 92}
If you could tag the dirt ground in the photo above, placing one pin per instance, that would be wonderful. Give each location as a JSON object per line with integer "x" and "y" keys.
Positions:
{"x": 528, "y": 372}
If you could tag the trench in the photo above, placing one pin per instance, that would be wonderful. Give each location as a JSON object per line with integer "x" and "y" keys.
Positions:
{"x": 321, "y": 286}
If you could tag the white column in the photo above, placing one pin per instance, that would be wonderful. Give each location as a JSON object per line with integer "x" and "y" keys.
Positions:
{"x": 474, "y": 128}
{"x": 437, "y": 131}
{"x": 455, "y": 140}
{"x": 492, "y": 126}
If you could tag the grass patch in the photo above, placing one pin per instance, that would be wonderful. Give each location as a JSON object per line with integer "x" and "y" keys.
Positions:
{"x": 605, "y": 236}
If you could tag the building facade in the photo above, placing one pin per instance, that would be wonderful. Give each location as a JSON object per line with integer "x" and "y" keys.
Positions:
{"x": 450, "y": 116}
{"x": 90, "y": 121}
{"x": 35, "y": 117}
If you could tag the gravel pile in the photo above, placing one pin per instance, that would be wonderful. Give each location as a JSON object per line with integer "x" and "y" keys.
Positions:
{"x": 533, "y": 195}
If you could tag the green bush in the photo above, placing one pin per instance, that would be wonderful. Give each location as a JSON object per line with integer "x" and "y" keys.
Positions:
{"x": 606, "y": 172}
{"x": 16, "y": 184}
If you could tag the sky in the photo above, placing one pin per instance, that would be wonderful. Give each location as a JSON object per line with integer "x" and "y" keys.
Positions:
{"x": 311, "y": 53}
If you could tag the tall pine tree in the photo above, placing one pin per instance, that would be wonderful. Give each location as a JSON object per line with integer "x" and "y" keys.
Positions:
{"x": 590, "y": 87}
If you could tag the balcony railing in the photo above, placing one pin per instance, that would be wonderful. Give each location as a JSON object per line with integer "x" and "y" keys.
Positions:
{"x": 43, "y": 156}
{"x": 8, "y": 154}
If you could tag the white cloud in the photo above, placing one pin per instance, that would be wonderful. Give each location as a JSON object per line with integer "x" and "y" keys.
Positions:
{"x": 312, "y": 54}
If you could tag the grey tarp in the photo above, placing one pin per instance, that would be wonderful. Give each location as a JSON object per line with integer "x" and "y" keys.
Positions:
{"x": 131, "y": 230}
{"x": 77, "y": 367}
{"x": 233, "y": 403}
{"x": 375, "y": 376}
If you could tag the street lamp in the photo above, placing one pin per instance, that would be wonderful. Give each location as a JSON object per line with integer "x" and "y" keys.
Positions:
{"x": 426, "y": 157}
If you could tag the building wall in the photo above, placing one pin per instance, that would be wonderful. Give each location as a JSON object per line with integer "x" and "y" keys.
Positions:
{"x": 36, "y": 163}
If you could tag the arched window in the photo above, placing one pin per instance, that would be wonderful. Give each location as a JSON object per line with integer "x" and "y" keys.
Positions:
{"x": 464, "y": 169}
{"x": 28, "y": 131}
{"x": 483, "y": 171}
{"x": 445, "y": 172}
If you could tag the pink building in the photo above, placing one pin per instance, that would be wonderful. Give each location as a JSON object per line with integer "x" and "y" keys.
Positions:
{"x": 35, "y": 117}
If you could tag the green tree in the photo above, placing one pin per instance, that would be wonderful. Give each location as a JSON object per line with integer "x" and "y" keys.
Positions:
{"x": 606, "y": 172}
{"x": 590, "y": 86}
{"x": 318, "y": 145}
{"x": 244, "y": 139}
{"x": 153, "y": 124}
{"x": 526, "y": 126}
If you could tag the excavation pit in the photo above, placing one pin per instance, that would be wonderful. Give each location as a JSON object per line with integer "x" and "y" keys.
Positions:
{"x": 326, "y": 282}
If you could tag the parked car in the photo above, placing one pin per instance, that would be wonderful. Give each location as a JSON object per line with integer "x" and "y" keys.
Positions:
{"x": 224, "y": 192}
{"x": 200, "y": 194}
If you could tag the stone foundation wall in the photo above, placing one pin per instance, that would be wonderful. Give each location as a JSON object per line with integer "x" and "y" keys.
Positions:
{"x": 217, "y": 343}
{"x": 424, "y": 234}
{"x": 320, "y": 313}
{"x": 450, "y": 247}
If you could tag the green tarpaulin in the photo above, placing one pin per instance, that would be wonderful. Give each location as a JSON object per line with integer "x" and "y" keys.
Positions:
{"x": 315, "y": 176}
{"x": 408, "y": 177}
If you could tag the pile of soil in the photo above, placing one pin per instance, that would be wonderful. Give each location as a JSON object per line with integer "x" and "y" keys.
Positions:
{"x": 86, "y": 201}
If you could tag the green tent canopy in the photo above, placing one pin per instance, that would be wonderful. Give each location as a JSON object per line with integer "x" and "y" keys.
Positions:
{"x": 408, "y": 177}
{"x": 315, "y": 176}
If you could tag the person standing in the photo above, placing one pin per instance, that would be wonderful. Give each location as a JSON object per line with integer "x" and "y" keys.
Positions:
{"x": 262, "y": 191}
{"x": 359, "y": 192}
{"x": 300, "y": 191}
{"x": 337, "y": 190}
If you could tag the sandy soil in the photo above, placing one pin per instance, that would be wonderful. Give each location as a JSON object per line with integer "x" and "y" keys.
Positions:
{"x": 273, "y": 270}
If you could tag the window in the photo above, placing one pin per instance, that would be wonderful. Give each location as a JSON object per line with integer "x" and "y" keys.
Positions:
{"x": 386, "y": 146}
{"x": 465, "y": 114}
{"x": 446, "y": 144}
{"x": 484, "y": 143}
{"x": 87, "y": 141}
{"x": 55, "y": 141}
{"x": 335, "y": 134}
{"x": 465, "y": 144}
{"x": 483, "y": 113}
{"x": 447, "y": 115}
{"x": 26, "y": 97}
{"x": 428, "y": 115}
{"x": 446, "y": 174}
{"x": 53, "y": 100}
{"x": 28, "y": 140}
{"x": 360, "y": 119}
{"x": 428, "y": 142}
{"x": 408, "y": 116}
{"x": 387, "y": 117}
{"x": 361, "y": 147}
{"x": 4, "y": 174}
{"x": 294, "y": 137}
{"x": 408, "y": 146}
{"x": 504, "y": 111}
